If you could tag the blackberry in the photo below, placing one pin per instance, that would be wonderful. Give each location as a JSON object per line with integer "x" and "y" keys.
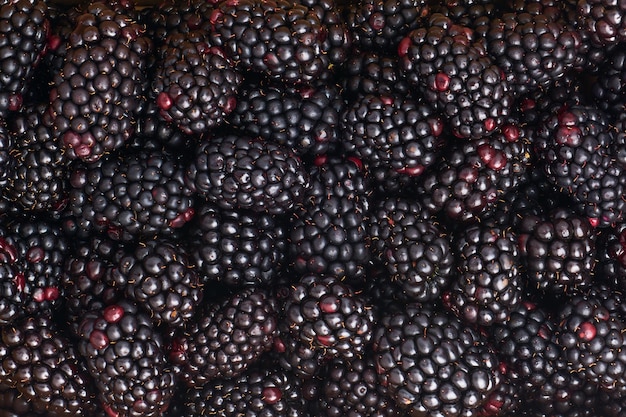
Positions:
{"x": 604, "y": 21}
{"x": 15, "y": 405}
{"x": 126, "y": 358}
{"x": 97, "y": 95}
{"x": 609, "y": 89}
{"x": 238, "y": 248}
{"x": 303, "y": 118}
{"x": 241, "y": 172}
{"x": 558, "y": 251}
{"x": 489, "y": 285}
{"x": 368, "y": 72}
{"x": 24, "y": 30}
{"x": 432, "y": 364}
{"x": 455, "y": 74}
{"x": 505, "y": 400}
{"x": 152, "y": 127}
{"x": 473, "y": 14}
{"x": 329, "y": 316}
{"x": 414, "y": 249}
{"x": 297, "y": 357}
{"x": 401, "y": 134}
{"x": 226, "y": 339}
{"x": 611, "y": 255}
{"x": 328, "y": 235}
{"x": 195, "y": 84}
{"x": 45, "y": 368}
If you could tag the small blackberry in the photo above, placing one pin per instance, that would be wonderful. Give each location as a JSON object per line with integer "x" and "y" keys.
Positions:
{"x": 368, "y": 72}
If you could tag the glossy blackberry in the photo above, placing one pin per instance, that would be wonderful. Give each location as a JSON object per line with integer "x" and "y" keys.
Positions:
{"x": 609, "y": 89}
{"x": 378, "y": 24}
{"x": 238, "y": 248}
{"x": 455, "y": 74}
{"x": 402, "y": 134}
{"x": 281, "y": 39}
{"x": 132, "y": 195}
{"x": 558, "y": 251}
{"x": 241, "y": 172}
{"x": 297, "y": 357}
{"x": 532, "y": 50}
{"x": 474, "y": 14}
{"x": 611, "y": 248}
{"x": 24, "y": 29}
{"x": 432, "y": 364}
{"x": 126, "y": 358}
{"x": 328, "y": 315}
{"x": 303, "y": 118}
{"x": 195, "y": 85}
{"x": 261, "y": 391}
{"x": 414, "y": 248}
{"x": 370, "y": 72}
{"x": 152, "y": 127}
{"x": 604, "y": 20}
{"x": 45, "y": 368}
{"x": 15, "y": 405}
{"x": 227, "y": 338}
{"x": 97, "y": 95}
{"x": 328, "y": 234}
{"x": 7, "y": 161}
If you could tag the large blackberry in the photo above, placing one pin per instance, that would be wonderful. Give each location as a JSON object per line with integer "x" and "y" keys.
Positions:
{"x": 489, "y": 285}
{"x": 44, "y": 367}
{"x": 432, "y": 364}
{"x": 195, "y": 85}
{"x": 241, "y": 172}
{"x": 98, "y": 93}
{"x": 369, "y": 72}
{"x": 125, "y": 356}
{"x": 227, "y": 338}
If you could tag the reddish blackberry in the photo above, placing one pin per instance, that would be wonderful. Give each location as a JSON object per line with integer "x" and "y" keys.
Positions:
{"x": 241, "y": 172}
{"x": 432, "y": 364}
{"x": 125, "y": 356}
{"x": 195, "y": 85}
{"x": 328, "y": 235}
{"x": 414, "y": 249}
{"x": 24, "y": 30}
{"x": 369, "y": 72}
{"x": 97, "y": 95}
{"x": 238, "y": 248}
{"x": 489, "y": 285}
{"x": 455, "y": 74}
{"x": 227, "y": 338}
{"x": 604, "y": 20}
{"x": 44, "y": 367}
{"x": 401, "y": 134}
{"x": 303, "y": 118}
{"x": 329, "y": 316}
{"x": 609, "y": 89}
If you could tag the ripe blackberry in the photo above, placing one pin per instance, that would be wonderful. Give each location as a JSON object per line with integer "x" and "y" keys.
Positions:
{"x": 45, "y": 368}
{"x": 132, "y": 196}
{"x": 7, "y": 161}
{"x": 24, "y": 30}
{"x": 238, "y": 248}
{"x": 378, "y": 24}
{"x": 368, "y": 72}
{"x": 15, "y": 405}
{"x": 609, "y": 89}
{"x": 227, "y": 338}
{"x": 432, "y": 364}
{"x": 473, "y": 14}
{"x": 241, "y": 172}
{"x": 329, "y": 316}
{"x": 126, "y": 358}
{"x": 195, "y": 85}
{"x": 611, "y": 246}
{"x": 297, "y": 357}
{"x": 558, "y": 251}
{"x": 402, "y": 134}
{"x": 97, "y": 95}
{"x": 604, "y": 20}
{"x": 328, "y": 235}
{"x": 414, "y": 249}
{"x": 454, "y": 73}
{"x": 489, "y": 285}
{"x": 151, "y": 127}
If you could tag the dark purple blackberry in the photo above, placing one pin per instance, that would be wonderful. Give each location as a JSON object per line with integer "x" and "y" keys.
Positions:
{"x": 131, "y": 195}
{"x": 474, "y": 14}
{"x": 611, "y": 255}
{"x": 432, "y": 364}
{"x": 532, "y": 50}
{"x": 24, "y": 30}
{"x": 261, "y": 391}
{"x": 152, "y": 127}
{"x": 238, "y": 248}
{"x": 126, "y": 358}
{"x": 380, "y": 24}
{"x": 454, "y": 73}
{"x": 97, "y": 95}
{"x": 303, "y": 118}
{"x": 297, "y": 357}
{"x": 330, "y": 316}
{"x": 195, "y": 85}
{"x": 414, "y": 249}
{"x": 241, "y": 172}
{"x": 401, "y": 134}
{"x": 14, "y": 404}
{"x": 604, "y": 20}
{"x": 558, "y": 251}
{"x": 7, "y": 161}
{"x": 328, "y": 234}
{"x": 504, "y": 401}
{"x": 226, "y": 339}
{"x": 369, "y": 72}
{"x": 609, "y": 89}
{"x": 45, "y": 368}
